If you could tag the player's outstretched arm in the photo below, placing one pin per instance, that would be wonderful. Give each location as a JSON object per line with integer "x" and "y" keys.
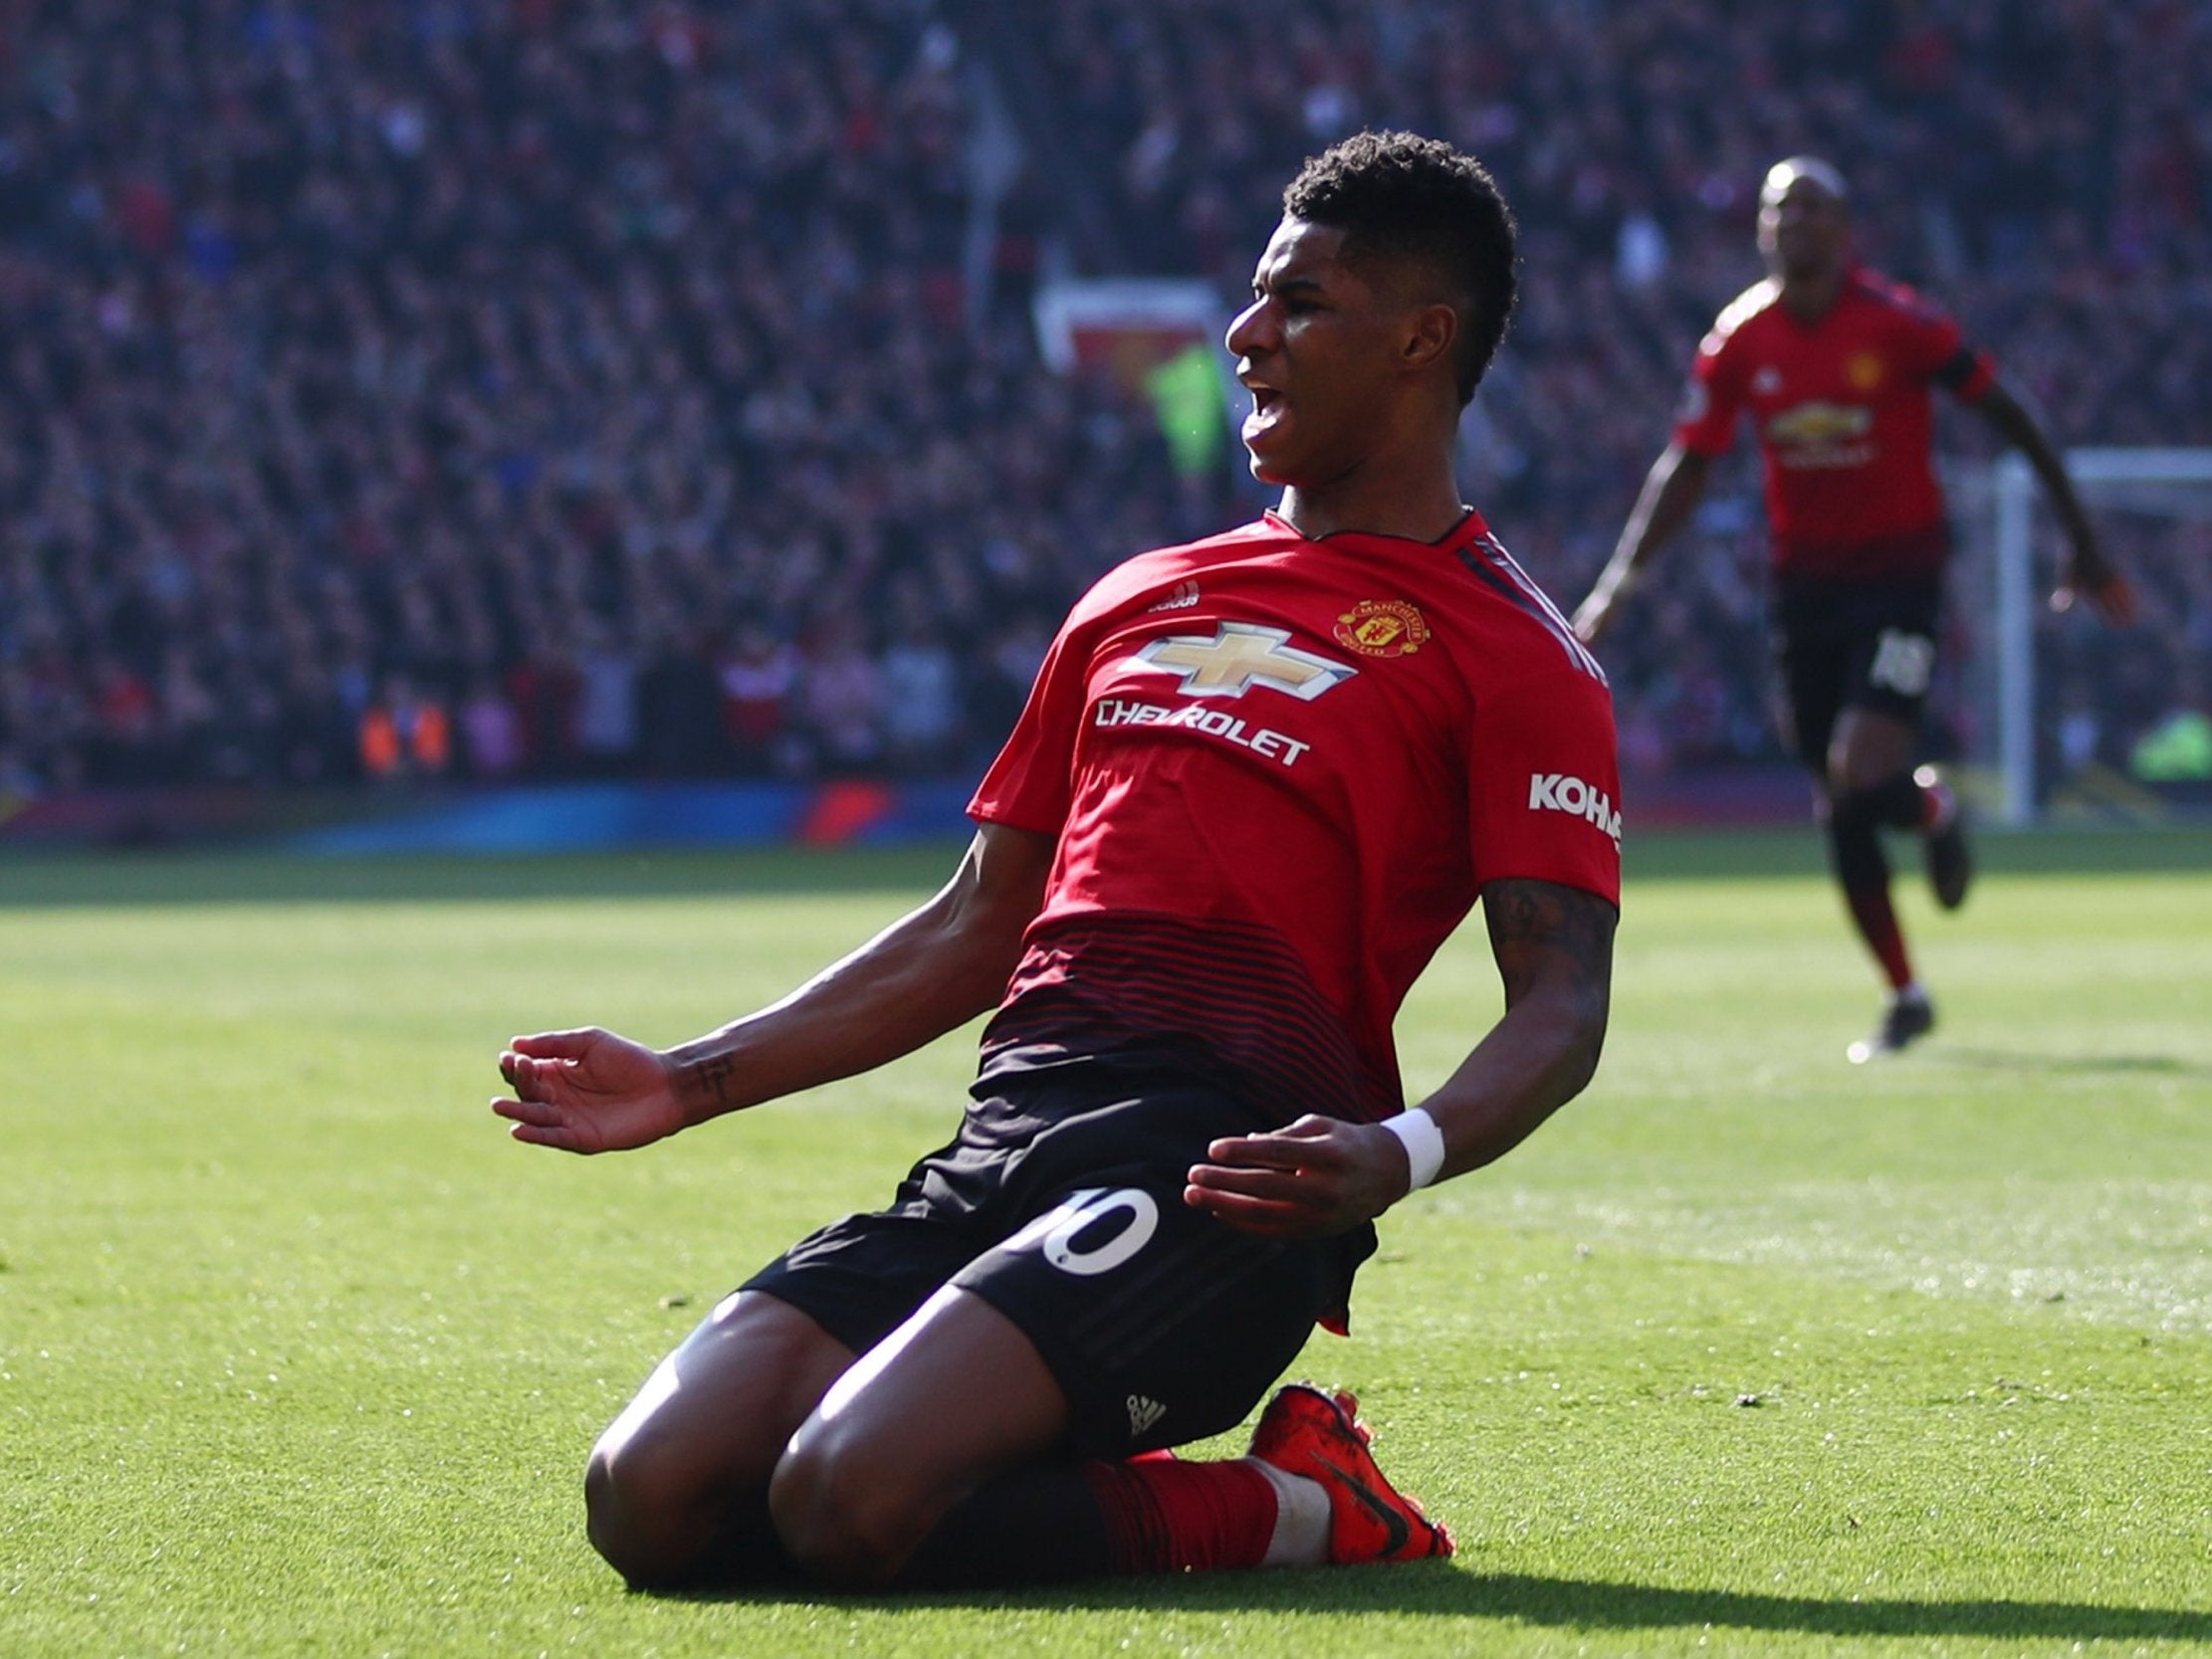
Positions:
{"x": 936, "y": 968}
{"x": 1671, "y": 493}
{"x": 1320, "y": 1175}
{"x": 2086, "y": 570}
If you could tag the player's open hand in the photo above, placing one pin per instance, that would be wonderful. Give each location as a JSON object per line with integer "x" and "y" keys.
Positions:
{"x": 586, "y": 1092}
{"x": 1319, "y": 1176}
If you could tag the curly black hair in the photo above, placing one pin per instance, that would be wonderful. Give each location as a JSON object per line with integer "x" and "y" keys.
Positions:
{"x": 1400, "y": 198}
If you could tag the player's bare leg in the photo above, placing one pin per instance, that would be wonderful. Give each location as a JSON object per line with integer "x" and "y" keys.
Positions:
{"x": 953, "y": 1397}
{"x": 676, "y": 1491}
{"x": 1871, "y": 787}
{"x": 937, "y": 1460}
{"x": 932, "y": 1461}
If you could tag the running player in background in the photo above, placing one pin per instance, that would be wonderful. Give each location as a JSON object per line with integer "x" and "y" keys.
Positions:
{"x": 1835, "y": 364}
{"x": 1258, "y": 783}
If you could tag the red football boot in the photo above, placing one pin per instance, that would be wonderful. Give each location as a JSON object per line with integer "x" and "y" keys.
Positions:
{"x": 1306, "y": 1432}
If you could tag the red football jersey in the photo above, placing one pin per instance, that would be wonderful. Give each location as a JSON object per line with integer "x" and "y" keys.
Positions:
{"x": 1281, "y": 769}
{"x": 1844, "y": 418}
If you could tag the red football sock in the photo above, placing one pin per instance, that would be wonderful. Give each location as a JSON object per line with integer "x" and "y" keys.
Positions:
{"x": 1164, "y": 1515}
{"x": 1876, "y": 921}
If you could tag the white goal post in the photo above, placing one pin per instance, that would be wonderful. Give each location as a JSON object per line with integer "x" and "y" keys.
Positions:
{"x": 2022, "y": 585}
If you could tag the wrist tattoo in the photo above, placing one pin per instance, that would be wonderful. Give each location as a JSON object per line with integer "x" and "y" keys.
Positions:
{"x": 715, "y": 1078}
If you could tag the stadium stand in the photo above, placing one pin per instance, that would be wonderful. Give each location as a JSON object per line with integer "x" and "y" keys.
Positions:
{"x": 560, "y": 388}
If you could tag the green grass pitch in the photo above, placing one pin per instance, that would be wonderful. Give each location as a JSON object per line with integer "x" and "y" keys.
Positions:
{"x": 1748, "y": 1352}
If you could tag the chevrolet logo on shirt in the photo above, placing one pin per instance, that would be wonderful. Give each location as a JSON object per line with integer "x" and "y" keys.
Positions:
{"x": 1821, "y": 423}
{"x": 1239, "y": 656}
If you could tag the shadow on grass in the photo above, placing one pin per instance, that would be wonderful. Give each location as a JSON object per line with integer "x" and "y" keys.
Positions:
{"x": 2005, "y": 1059}
{"x": 1434, "y": 1589}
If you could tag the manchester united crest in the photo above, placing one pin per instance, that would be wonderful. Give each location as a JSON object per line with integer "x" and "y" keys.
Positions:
{"x": 1863, "y": 371}
{"x": 1382, "y": 628}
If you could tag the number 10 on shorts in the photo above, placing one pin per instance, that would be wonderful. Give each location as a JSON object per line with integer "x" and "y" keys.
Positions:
{"x": 1091, "y": 1231}
{"x": 1904, "y": 662}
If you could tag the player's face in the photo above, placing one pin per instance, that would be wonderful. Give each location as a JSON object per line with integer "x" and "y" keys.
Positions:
{"x": 1316, "y": 348}
{"x": 1804, "y": 231}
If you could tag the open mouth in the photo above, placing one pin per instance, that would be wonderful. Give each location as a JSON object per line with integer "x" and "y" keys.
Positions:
{"x": 1268, "y": 408}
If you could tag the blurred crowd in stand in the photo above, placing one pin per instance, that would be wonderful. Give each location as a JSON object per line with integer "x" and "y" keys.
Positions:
{"x": 542, "y": 388}
{"x": 496, "y": 388}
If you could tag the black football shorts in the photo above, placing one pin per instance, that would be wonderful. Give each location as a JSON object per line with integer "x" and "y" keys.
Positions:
{"x": 1853, "y": 645}
{"x": 1060, "y": 1203}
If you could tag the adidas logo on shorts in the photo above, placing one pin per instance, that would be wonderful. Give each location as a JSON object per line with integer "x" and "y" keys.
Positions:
{"x": 1143, "y": 1413}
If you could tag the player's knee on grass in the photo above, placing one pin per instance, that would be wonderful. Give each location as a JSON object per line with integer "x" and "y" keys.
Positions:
{"x": 846, "y": 1518}
{"x": 629, "y": 1531}
{"x": 647, "y": 1512}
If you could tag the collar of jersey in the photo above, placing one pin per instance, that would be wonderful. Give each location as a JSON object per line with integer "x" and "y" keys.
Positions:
{"x": 1470, "y": 525}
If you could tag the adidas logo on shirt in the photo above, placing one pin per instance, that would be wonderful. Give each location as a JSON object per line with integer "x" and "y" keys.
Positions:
{"x": 1181, "y": 597}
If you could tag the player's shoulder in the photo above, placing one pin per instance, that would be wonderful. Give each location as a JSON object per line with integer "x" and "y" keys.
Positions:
{"x": 1884, "y": 293}
{"x": 1505, "y": 617}
{"x": 1741, "y": 312}
{"x": 1163, "y": 576}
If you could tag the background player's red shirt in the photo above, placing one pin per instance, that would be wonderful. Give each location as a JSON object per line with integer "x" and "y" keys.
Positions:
{"x": 1281, "y": 770}
{"x": 1843, "y": 419}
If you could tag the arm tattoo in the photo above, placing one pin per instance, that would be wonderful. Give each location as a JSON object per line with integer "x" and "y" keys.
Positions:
{"x": 1540, "y": 931}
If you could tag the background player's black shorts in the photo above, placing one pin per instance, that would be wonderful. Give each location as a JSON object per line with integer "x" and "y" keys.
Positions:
{"x": 1852, "y": 645}
{"x": 1060, "y": 1203}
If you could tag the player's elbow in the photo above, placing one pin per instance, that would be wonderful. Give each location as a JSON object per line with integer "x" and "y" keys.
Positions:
{"x": 976, "y": 946}
{"x": 1579, "y": 1035}
{"x": 979, "y": 919}
{"x": 977, "y": 958}
{"x": 1583, "y": 1057}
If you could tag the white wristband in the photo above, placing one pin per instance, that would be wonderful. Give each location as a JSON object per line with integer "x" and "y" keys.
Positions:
{"x": 1424, "y": 1143}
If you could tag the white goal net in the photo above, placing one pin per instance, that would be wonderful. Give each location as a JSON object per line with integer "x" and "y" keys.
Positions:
{"x": 2064, "y": 717}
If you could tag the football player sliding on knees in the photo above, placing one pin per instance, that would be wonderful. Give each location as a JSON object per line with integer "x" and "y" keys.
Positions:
{"x": 1259, "y": 781}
